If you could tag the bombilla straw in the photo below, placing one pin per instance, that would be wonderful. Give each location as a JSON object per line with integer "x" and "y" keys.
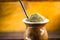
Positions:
{"x": 23, "y": 8}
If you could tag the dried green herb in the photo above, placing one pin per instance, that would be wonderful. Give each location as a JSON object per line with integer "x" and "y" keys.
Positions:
{"x": 35, "y": 18}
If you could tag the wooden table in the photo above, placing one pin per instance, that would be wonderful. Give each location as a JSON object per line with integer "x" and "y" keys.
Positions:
{"x": 23, "y": 39}
{"x": 20, "y": 35}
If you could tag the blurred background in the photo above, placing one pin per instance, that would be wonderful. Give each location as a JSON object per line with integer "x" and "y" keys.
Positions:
{"x": 11, "y": 14}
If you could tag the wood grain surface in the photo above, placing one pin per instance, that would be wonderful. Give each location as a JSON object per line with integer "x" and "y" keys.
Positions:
{"x": 20, "y": 35}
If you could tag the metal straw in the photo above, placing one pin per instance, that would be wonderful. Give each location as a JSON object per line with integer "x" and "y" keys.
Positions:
{"x": 23, "y": 8}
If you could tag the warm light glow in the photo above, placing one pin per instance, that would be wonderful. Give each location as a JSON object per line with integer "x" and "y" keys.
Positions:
{"x": 12, "y": 15}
